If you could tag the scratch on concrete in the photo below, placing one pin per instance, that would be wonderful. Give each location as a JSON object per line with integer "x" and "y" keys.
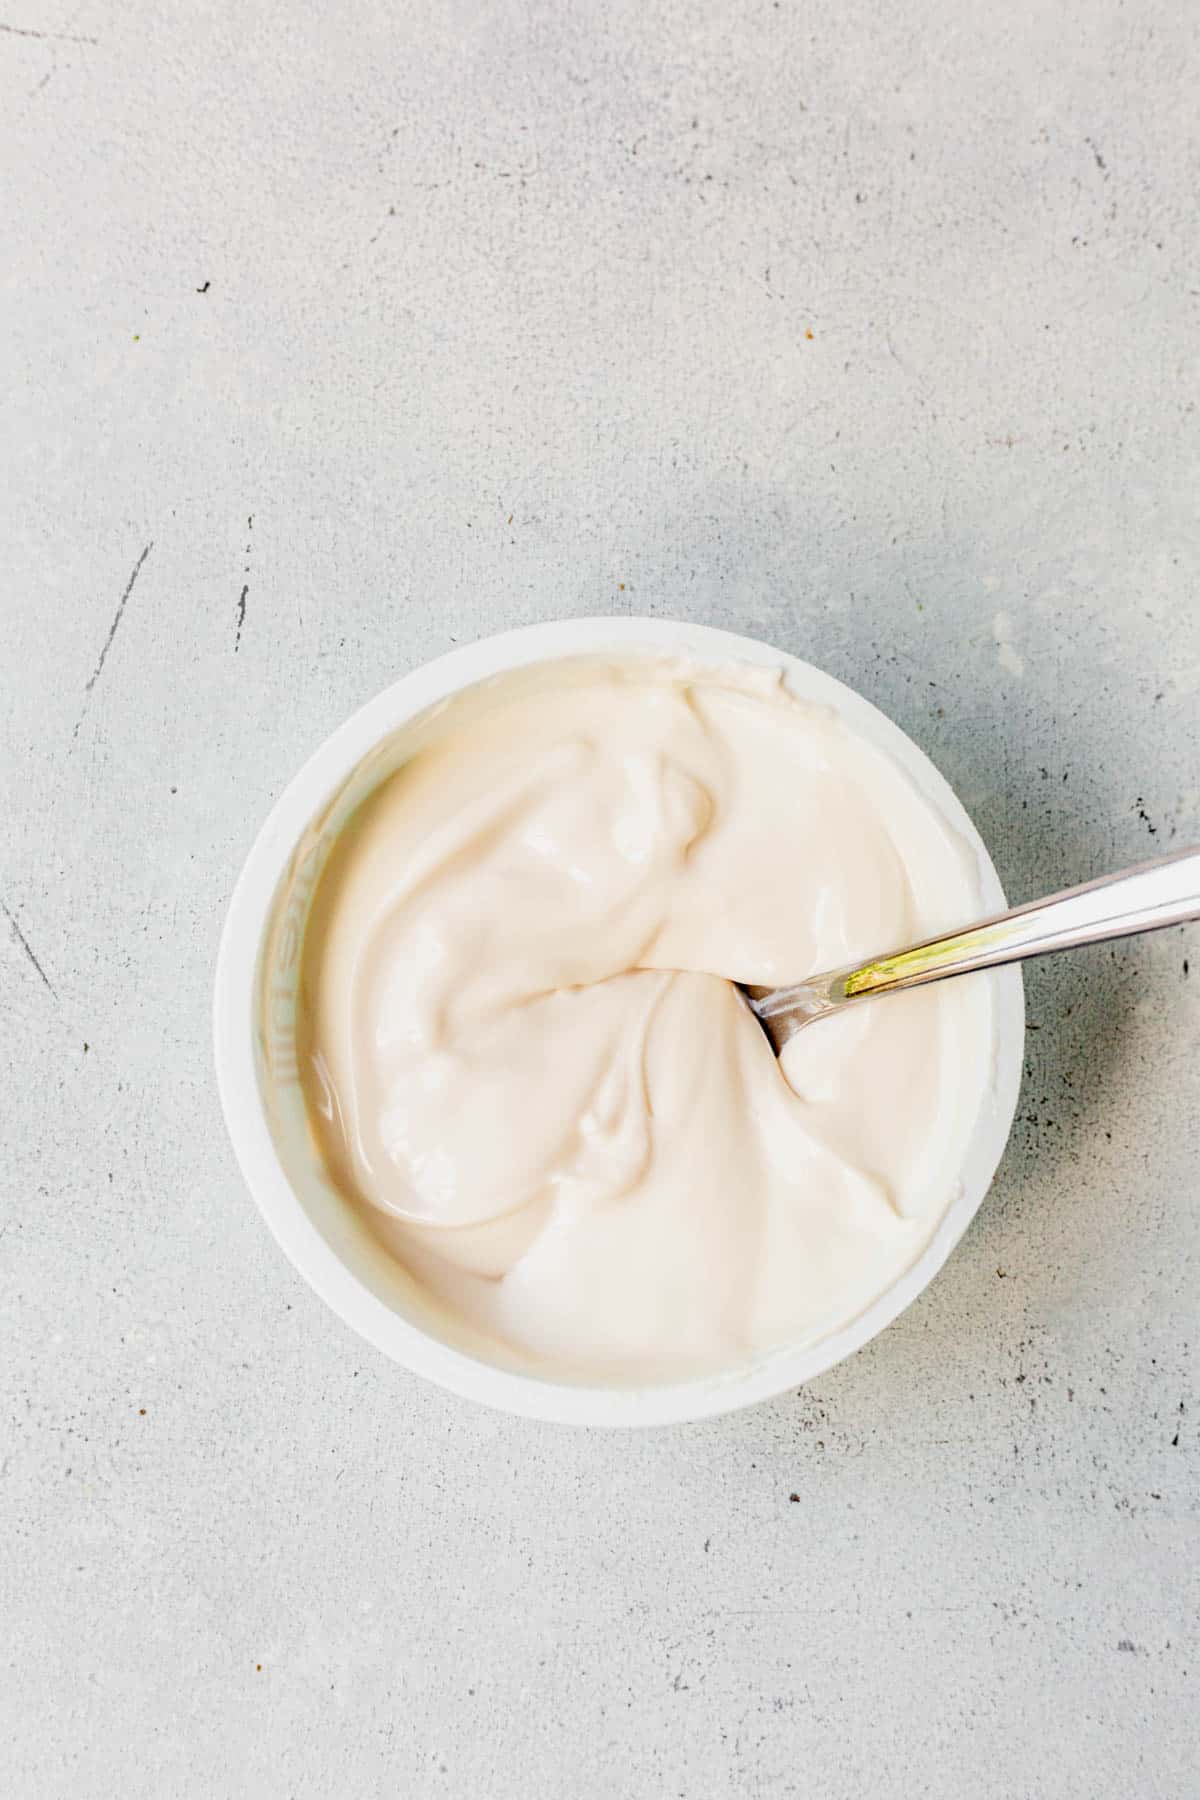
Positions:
{"x": 241, "y": 605}
{"x": 391, "y": 213}
{"x": 27, "y": 947}
{"x": 112, "y": 632}
{"x": 47, "y": 37}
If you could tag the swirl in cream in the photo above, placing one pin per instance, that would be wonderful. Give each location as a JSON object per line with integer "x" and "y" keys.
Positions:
{"x": 524, "y": 1057}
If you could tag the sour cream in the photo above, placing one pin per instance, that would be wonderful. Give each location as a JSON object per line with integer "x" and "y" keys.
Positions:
{"x": 525, "y": 1058}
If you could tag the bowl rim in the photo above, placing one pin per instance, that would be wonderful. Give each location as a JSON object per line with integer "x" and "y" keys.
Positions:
{"x": 242, "y": 1103}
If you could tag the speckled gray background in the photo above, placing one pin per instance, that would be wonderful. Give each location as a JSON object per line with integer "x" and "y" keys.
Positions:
{"x": 871, "y": 327}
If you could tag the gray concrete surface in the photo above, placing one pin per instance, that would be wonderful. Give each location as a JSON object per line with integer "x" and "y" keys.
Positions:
{"x": 332, "y": 337}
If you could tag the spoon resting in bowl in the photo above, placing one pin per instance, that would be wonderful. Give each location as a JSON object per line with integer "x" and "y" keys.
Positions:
{"x": 1144, "y": 898}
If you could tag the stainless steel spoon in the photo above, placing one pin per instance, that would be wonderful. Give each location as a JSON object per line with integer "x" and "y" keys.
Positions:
{"x": 1163, "y": 892}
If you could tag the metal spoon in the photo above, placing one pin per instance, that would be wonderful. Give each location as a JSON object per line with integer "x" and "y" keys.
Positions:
{"x": 1163, "y": 892}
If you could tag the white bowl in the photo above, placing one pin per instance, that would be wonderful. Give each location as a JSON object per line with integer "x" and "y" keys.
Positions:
{"x": 263, "y": 1104}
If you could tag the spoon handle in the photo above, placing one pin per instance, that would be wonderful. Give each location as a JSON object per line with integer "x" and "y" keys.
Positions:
{"x": 1163, "y": 892}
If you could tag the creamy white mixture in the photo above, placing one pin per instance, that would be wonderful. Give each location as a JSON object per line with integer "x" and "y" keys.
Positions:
{"x": 525, "y": 1059}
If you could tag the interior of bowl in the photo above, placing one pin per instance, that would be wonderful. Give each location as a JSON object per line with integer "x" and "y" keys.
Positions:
{"x": 258, "y": 985}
